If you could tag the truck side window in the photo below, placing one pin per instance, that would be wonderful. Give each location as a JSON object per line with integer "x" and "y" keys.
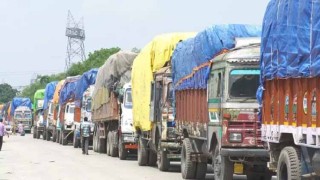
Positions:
{"x": 215, "y": 84}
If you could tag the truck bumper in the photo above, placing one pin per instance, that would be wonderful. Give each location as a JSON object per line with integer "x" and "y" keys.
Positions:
{"x": 244, "y": 152}
{"x": 171, "y": 145}
{"x": 41, "y": 128}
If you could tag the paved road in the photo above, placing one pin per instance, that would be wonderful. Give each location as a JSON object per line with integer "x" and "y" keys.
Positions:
{"x": 27, "y": 158}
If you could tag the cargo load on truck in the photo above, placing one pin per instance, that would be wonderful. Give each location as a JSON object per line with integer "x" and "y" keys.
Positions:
{"x": 21, "y": 113}
{"x": 289, "y": 88}
{"x": 214, "y": 121}
{"x": 68, "y": 114}
{"x": 48, "y": 113}
{"x": 83, "y": 98}
{"x": 112, "y": 106}
{"x": 38, "y": 121}
{"x": 152, "y": 110}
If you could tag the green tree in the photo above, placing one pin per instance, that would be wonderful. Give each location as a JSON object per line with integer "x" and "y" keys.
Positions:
{"x": 95, "y": 60}
{"x": 7, "y": 93}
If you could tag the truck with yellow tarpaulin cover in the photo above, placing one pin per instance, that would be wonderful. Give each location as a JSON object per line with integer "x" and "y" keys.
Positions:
{"x": 152, "y": 102}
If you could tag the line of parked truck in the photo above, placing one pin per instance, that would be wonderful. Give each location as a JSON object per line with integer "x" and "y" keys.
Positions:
{"x": 191, "y": 97}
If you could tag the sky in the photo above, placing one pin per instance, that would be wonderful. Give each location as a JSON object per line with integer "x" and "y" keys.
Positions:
{"x": 32, "y": 32}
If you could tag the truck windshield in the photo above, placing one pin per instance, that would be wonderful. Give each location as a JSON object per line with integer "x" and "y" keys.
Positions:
{"x": 243, "y": 83}
{"x": 27, "y": 115}
{"x": 18, "y": 115}
{"x": 128, "y": 99}
{"x": 71, "y": 109}
{"x": 88, "y": 105}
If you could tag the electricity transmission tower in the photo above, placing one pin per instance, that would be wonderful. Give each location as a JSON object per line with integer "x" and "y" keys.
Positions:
{"x": 76, "y": 36}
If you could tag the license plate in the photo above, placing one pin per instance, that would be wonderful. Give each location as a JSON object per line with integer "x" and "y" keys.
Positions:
{"x": 238, "y": 168}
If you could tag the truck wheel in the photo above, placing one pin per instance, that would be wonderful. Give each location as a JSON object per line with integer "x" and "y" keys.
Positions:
{"x": 38, "y": 134}
{"x": 152, "y": 160}
{"x": 201, "y": 170}
{"x": 48, "y": 136}
{"x": 109, "y": 144}
{"x": 113, "y": 146}
{"x": 34, "y": 132}
{"x": 58, "y": 137}
{"x": 54, "y": 136}
{"x": 142, "y": 152}
{"x": 64, "y": 139}
{"x": 122, "y": 151}
{"x": 102, "y": 145}
{"x": 43, "y": 135}
{"x": 223, "y": 167}
{"x": 289, "y": 165}
{"x": 188, "y": 168}
{"x": 163, "y": 161}
{"x": 75, "y": 142}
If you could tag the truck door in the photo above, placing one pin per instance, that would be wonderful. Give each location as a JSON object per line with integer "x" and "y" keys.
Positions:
{"x": 215, "y": 93}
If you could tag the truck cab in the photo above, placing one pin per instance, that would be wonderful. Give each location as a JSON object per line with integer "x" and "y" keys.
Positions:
{"x": 69, "y": 116}
{"x": 23, "y": 115}
{"x": 126, "y": 110}
{"x": 164, "y": 137}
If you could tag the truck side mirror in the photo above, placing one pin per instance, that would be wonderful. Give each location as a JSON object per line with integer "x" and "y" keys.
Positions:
{"x": 121, "y": 98}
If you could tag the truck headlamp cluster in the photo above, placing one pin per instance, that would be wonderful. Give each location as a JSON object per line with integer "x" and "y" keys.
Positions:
{"x": 235, "y": 137}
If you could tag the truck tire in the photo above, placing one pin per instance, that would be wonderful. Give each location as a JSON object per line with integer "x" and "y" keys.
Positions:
{"x": 44, "y": 137}
{"x": 95, "y": 143}
{"x": 113, "y": 146}
{"x": 38, "y": 134}
{"x": 102, "y": 145}
{"x": 64, "y": 139}
{"x": 58, "y": 137}
{"x": 289, "y": 164}
{"x": 188, "y": 168}
{"x": 34, "y": 133}
{"x": 223, "y": 167}
{"x": 54, "y": 136}
{"x": 201, "y": 170}
{"x": 163, "y": 161}
{"x": 142, "y": 152}
{"x": 75, "y": 142}
{"x": 152, "y": 160}
{"x": 48, "y": 136}
{"x": 108, "y": 144}
{"x": 123, "y": 153}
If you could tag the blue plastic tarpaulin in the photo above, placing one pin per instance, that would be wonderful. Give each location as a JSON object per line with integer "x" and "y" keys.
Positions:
{"x": 49, "y": 92}
{"x": 68, "y": 90}
{"x": 195, "y": 52}
{"x": 86, "y": 80}
{"x": 290, "y": 44}
{"x": 18, "y": 101}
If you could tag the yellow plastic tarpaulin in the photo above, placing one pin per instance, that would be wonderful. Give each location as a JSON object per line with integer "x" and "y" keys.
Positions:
{"x": 151, "y": 58}
{"x": 57, "y": 92}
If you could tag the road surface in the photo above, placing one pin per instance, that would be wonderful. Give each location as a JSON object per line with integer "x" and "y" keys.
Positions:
{"x": 23, "y": 157}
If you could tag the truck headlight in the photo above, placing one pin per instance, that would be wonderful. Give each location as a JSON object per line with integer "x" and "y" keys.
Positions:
{"x": 235, "y": 137}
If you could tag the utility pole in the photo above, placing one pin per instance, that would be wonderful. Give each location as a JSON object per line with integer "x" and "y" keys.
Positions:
{"x": 76, "y": 36}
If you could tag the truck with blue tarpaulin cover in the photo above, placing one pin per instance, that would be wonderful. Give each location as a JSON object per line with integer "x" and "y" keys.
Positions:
{"x": 21, "y": 112}
{"x": 215, "y": 78}
{"x": 48, "y": 111}
{"x": 83, "y": 98}
{"x": 289, "y": 88}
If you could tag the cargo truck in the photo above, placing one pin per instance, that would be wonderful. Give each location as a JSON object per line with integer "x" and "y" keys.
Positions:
{"x": 289, "y": 89}
{"x": 53, "y": 126}
{"x": 152, "y": 113}
{"x": 112, "y": 107}
{"x": 83, "y": 100}
{"x": 68, "y": 114}
{"x": 215, "y": 80}
{"x": 38, "y": 122}
{"x": 49, "y": 130}
{"x": 21, "y": 113}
